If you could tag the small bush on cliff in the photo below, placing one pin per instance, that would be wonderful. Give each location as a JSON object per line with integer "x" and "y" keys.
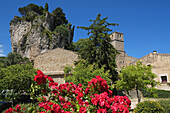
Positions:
{"x": 31, "y": 8}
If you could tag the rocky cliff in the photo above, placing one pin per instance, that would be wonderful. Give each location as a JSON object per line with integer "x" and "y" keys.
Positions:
{"x": 30, "y": 37}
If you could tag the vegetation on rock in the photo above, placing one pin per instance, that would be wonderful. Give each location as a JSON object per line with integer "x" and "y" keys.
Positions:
{"x": 54, "y": 27}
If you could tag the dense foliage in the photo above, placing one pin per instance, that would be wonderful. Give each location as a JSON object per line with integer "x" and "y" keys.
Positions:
{"x": 31, "y": 11}
{"x": 83, "y": 73}
{"x": 12, "y": 59}
{"x": 68, "y": 97}
{"x": 136, "y": 77}
{"x": 160, "y": 93}
{"x": 99, "y": 50}
{"x": 166, "y": 105}
{"x": 148, "y": 107}
{"x": 60, "y": 18}
{"x": 15, "y": 80}
{"x": 81, "y": 43}
{"x": 24, "y": 11}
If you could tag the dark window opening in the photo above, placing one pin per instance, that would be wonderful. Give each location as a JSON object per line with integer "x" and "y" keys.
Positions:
{"x": 148, "y": 65}
{"x": 164, "y": 79}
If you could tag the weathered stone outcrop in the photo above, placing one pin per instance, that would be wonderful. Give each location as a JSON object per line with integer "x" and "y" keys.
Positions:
{"x": 30, "y": 38}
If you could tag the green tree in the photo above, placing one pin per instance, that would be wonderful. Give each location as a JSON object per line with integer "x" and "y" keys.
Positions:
{"x": 99, "y": 49}
{"x": 31, "y": 8}
{"x": 60, "y": 18}
{"x": 136, "y": 77}
{"x": 46, "y": 7}
{"x": 16, "y": 79}
{"x": 14, "y": 58}
{"x": 83, "y": 73}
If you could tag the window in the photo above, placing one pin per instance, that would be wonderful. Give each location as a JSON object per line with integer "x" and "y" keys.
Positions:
{"x": 164, "y": 79}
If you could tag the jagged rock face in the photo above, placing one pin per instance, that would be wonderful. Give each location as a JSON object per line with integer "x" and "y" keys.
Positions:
{"x": 33, "y": 38}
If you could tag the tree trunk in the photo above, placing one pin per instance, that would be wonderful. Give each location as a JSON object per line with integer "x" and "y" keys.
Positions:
{"x": 138, "y": 95}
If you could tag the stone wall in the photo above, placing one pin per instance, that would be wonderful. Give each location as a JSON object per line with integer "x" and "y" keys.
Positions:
{"x": 160, "y": 66}
{"x": 123, "y": 60}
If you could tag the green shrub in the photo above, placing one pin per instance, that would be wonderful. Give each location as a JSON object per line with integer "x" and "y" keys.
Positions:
{"x": 83, "y": 74}
{"x": 160, "y": 93}
{"x": 166, "y": 105}
{"x": 148, "y": 107}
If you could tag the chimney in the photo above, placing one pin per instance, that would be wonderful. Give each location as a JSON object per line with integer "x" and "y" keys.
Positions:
{"x": 154, "y": 51}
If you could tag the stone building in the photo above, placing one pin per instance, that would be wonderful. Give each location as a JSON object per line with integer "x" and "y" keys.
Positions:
{"x": 160, "y": 62}
{"x": 53, "y": 62}
{"x": 160, "y": 66}
{"x": 122, "y": 59}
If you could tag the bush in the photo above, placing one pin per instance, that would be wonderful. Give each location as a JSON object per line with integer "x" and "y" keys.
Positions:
{"x": 160, "y": 93}
{"x": 166, "y": 105}
{"x": 15, "y": 80}
{"x": 68, "y": 97}
{"x": 83, "y": 74}
{"x": 148, "y": 107}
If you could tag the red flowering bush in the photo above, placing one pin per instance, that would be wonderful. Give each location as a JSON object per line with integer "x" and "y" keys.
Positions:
{"x": 69, "y": 98}
{"x": 17, "y": 109}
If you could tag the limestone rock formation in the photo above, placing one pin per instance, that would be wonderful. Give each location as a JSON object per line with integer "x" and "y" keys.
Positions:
{"x": 30, "y": 38}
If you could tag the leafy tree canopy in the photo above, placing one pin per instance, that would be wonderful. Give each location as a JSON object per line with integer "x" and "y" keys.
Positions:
{"x": 16, "y": 79}
{"x": 14, "y": 58}
{"x": 31, "y": 8}
{"x": 83, "y": 73}
{"x": 99, "y": 49}
{"x": 136, "y": 77}
{"x": 60, "y": 18}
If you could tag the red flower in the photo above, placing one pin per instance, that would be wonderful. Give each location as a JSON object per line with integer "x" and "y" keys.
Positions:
{"x": 17, "y": 107}
{"x": 82, "y": 110}
{"x": 9, "y": 110}
{"x": 50, "y": 79}
{"x": 40, "y": 78}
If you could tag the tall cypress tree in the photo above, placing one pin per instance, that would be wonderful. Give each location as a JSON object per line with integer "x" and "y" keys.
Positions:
{"x": 46, "y": 7}
{"x": 99, "y": 49}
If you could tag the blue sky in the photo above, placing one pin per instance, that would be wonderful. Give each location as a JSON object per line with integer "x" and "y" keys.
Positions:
{"x": 145, "y": 23}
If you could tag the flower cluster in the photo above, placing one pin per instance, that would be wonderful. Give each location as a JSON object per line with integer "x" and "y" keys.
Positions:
{"x": 17, "y": 109}
{"x": 68, "y": 97}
